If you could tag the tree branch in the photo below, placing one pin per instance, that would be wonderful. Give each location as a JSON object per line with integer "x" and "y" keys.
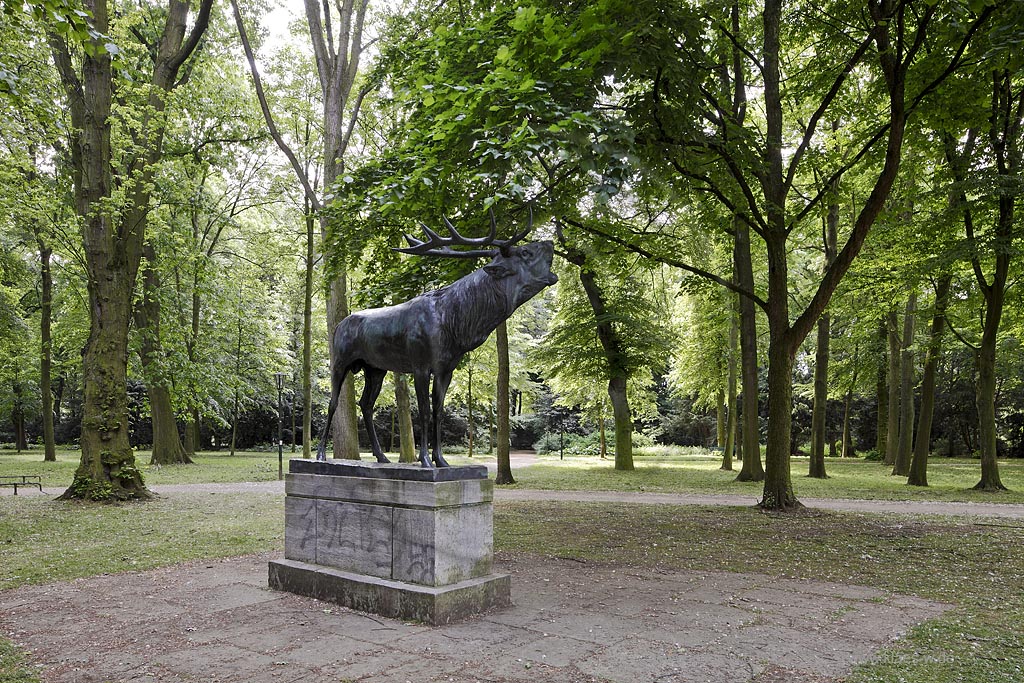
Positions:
{"x": 826, "y": 102}
{"x": 669, "y": 261}
{"x": 267, "y": 115}
{"x": 190, "y": 44}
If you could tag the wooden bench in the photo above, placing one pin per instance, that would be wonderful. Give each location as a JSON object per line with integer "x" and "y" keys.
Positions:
{"x": 22, "y": 480}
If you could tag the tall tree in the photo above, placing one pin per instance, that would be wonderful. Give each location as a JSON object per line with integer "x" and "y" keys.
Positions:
{"x": 905, "y": 444}
{"x": 337, "y": 58}
{"x": 821, "y": 356}
{"x": 114, "y": 231}
{"x": 994, "y": 246}
{"x": 918, "y": 473}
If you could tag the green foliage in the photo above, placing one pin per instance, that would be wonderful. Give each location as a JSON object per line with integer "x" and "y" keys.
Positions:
{"x": 573, "y": 358}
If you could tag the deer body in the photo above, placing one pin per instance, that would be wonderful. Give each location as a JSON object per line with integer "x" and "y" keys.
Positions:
{"x": 427, "y": 337}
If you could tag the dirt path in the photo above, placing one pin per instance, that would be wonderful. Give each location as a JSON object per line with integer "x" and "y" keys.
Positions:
{"x": 520, "y": 459}
{"x": 906, "y": 507}
{"x": 572, "y": 622}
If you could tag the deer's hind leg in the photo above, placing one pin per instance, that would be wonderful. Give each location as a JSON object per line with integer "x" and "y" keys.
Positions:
{"x": 373, "y": 379}
{"x": 421, "y": 381}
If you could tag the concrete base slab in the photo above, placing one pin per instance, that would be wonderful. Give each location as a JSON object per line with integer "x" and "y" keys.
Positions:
{"x": 396, "y": 599}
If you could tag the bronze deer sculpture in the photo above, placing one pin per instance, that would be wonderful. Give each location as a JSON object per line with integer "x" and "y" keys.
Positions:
{"x": 428, "y": 335}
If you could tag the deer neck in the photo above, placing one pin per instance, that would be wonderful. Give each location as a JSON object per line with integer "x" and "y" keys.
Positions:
{"x": 479, "y": 304}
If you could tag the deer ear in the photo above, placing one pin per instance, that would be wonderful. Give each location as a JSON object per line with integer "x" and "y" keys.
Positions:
{"x": 498, "y": 270}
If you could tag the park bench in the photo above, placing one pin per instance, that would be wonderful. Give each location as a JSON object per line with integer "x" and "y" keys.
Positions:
{"x": 21, "y": 480}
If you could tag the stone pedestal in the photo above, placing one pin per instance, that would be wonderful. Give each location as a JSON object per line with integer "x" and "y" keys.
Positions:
{"x": 401, "y": 541}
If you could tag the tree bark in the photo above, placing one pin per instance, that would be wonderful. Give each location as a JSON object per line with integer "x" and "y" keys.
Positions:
{"x": 821, "y": 358}
{"x": 167, "y": 446}
{"x": 307, "y": 337}
{"x": 753, "y": 469}
{"x": 881, "y": 388}
{"x": 45, "y": 352}
{"x": 901, "y": 466}
{"x": 778, "y": 485}
{"x": 720, "y": 418}
{"x": 1005, "y": 139}
{"x": 18, "y": 415}
{"x": 406, "y": 440}
{"x": 817, "y": 459}
{"x": 469, "y": 402}
{"x": 345, "y": 429}
{"x": 504, "y": 473}
{"x": 733, "y": 404}
{"x": 892, "y": 439}
{"x": 922, "y": 444}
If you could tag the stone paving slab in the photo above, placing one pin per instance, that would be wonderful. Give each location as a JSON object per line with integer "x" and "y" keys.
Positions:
{"x": 216, "y": 621}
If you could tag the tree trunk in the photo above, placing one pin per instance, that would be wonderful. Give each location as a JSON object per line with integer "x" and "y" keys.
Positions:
{"x": 345, "y": 430}
{"x": 167, "y": 447}
{"x": 234, "y": 424}
{"x": 753, "y": 469}
{"x": 469, "y": 401}
{"x": 406, "y": 440}
{"x": 817, "y": 459}
{"x": 107, "y": 468}
{"x": 504, "y": 473}
{"x": 191, "y": 441}
{"x": 733, "y": 405}
{"x": 892, "y": 439}
{"x": 623, "y": 420}
{"x": 821, "y": 358}
{"x": 847, "y": 448}
{"x": 165, "y": 429}
{"x": 490, "y": 428}
{"x": 18, "y": 416}
{"x": 58, "y": 399}
{"x": 616, "y": 362}
{"x": 45, "y": 352}
{"x": 919, "y": 463}
{"x": 720, "y": 418}
{"x": 778, "y": 484}
{"x": 901, "y": 466}
{"x": 882, "y": 388}
{"x": 307, "y": 338}
{"x": 985, "y": 396}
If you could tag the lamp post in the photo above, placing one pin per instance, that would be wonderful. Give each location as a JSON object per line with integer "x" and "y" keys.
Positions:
{"x": 279, "y": 378}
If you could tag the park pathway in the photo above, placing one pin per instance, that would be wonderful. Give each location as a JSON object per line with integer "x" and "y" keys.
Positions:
{"x": 901, "y": 507}
{"x": 521, "y": 459}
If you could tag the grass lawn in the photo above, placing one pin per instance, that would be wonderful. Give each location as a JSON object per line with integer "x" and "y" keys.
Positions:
{"x": 678, "y": 471}
{"x": 975, "y": 565}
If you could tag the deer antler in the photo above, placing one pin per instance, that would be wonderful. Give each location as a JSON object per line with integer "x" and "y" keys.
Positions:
{"x": 436, "y": 245}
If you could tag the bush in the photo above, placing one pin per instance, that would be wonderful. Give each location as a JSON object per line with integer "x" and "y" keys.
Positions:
{"x": 874, "y": 456}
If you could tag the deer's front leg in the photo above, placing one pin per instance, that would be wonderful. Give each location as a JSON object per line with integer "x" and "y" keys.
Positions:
{"x": 441, "y": 383}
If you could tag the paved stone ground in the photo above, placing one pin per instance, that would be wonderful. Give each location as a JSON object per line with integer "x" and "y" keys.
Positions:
{"x": 571, "y": 622}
